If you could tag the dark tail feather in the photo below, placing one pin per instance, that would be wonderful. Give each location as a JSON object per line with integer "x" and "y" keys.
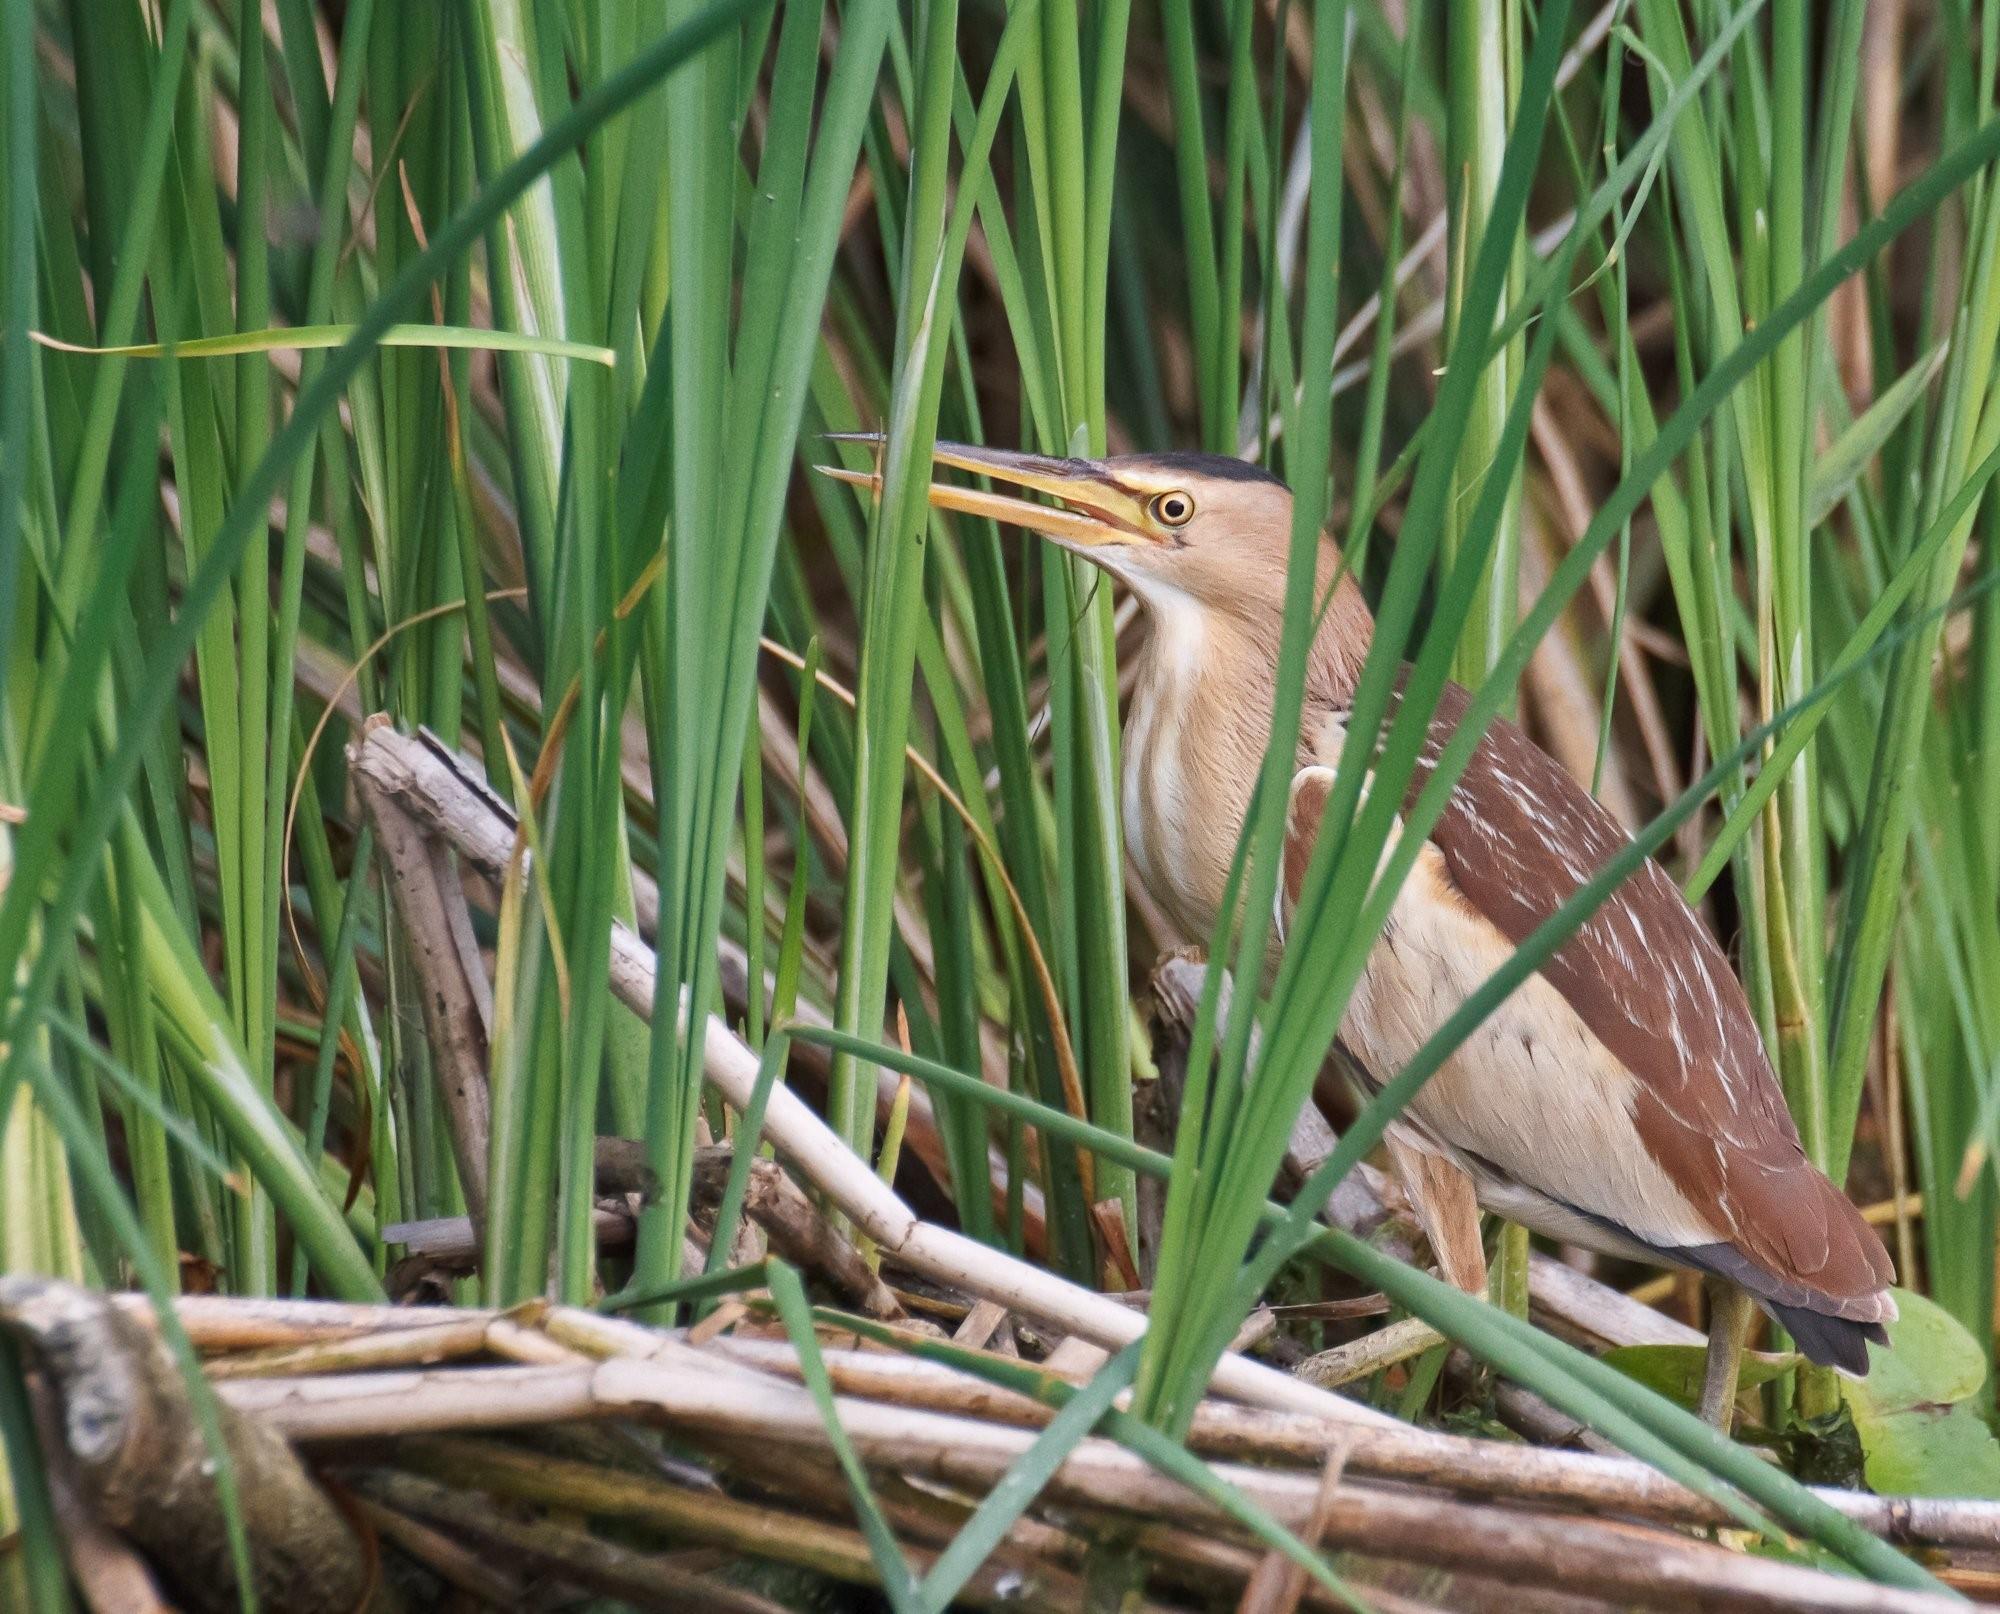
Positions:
{"x": 1825, "y": 1339}
{"x": 1831, "y": 1341}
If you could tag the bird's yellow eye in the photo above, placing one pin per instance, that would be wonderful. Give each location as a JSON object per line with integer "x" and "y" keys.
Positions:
{"x": 1172, "y": 509}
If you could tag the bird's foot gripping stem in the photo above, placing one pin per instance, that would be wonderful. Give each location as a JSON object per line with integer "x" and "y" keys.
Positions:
{"x": 1175, "y": 988}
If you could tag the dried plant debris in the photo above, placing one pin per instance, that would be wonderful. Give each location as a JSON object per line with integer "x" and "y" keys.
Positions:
{"x": 550, "y": 1447}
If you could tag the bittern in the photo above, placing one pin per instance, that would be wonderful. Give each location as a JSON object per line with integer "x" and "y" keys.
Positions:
{"x": 1621, "y": 1098}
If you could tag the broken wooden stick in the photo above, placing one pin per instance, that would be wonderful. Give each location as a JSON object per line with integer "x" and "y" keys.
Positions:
{"x": 136, "y": 1458}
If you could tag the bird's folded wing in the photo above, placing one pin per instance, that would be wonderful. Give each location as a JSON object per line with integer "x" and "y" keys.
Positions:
{"x": 1518, "y": 837}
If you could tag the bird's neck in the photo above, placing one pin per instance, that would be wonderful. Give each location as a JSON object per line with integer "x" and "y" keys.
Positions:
{"x": 1196, "y": 731}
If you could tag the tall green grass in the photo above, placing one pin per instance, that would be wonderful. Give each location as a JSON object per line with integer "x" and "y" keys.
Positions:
{"x": 1071, "y": 228}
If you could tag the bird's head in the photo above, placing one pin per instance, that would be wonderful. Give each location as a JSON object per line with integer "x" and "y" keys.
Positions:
{"x": 1175, "y": 528}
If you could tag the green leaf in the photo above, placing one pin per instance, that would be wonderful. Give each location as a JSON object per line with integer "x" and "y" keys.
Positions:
{"x": 789, "y": 1295}
{"x": 71, "y": 865}
{"x": 1927, "y": 1452}
{"x": 1675, "y": 1371}
{"x": 1015, "y": 1490}
{"x": 303, "y": 338}
{"x": 1931, "y": 1360}
{"x": 1918, "y": 1435}
{"x": 1850, "y": 453}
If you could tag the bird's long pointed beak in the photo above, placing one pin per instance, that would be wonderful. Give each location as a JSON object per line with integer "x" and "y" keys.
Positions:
{"x": 1095, "y": 512}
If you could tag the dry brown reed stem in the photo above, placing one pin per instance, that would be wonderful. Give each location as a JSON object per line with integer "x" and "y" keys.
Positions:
{"x": 516, "y": 1342}
{"x": 245, "y": 1323}
{"x": 413, "y": 1347}
{"x": 1577, "y": 1308}
{"x": 451, "y": 1243}
{"x": 1529, "y": 1549}
{"x": 367, "y": 1406}
{"x": 771, "y": 1200}
{"x": 453, "y": 1562}
{"x": 1185, "y": 1558}
{"x": 805, "y": 1238}
{"x": 1520, "y": 1473}
{"x": 335, "y": 705}
{"x": 1032, "y": 1552}
{"x": 1398, "y": 1451}
{"x": 1358, "y": 1358}
{"x": 702, "y": 1399}
{"x": 740, "y": 1401}
{"x": 1279, "y": 1585}
{"x": 1504, "y": 1471}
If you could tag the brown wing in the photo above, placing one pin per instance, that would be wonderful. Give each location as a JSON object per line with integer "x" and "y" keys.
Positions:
{"x": 1518, "y": 838}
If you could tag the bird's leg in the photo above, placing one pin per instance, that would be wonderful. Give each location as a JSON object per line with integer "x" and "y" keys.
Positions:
{"x": 1729, "y": 1310}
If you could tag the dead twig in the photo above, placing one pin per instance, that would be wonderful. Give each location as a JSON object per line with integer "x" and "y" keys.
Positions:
{"x": 457, "y": 999}
{"x": 1481, "y": 1468}
{"x": 800, "y": 1234}
{"x": 647, "y": 1580}
{"x": 1369, "y": 1354}
{"x": 452, "y": 1561}
{"x": 1397, "y": 1451}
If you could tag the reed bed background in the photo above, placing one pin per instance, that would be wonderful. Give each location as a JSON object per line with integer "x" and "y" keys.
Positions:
{"x": 462, "y": 364}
